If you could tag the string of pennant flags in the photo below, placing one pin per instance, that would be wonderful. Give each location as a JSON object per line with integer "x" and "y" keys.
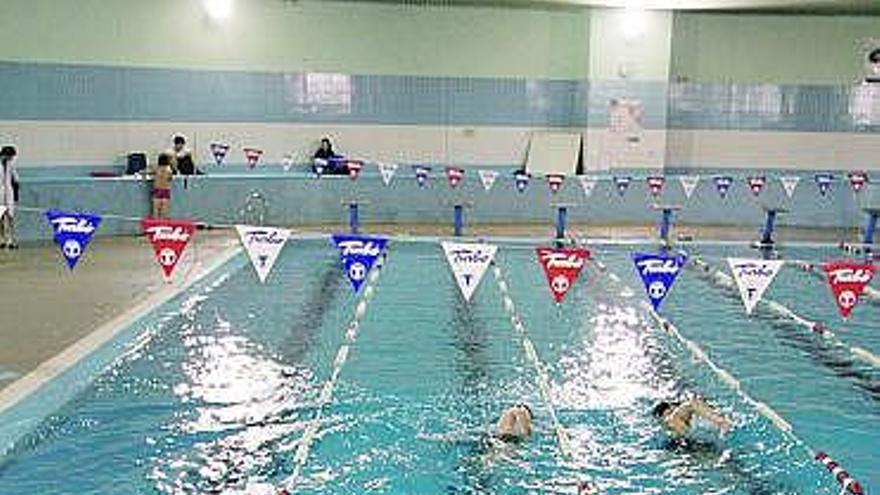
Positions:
{"x": 655, "y": 184}
{"x": 468, "y": 262}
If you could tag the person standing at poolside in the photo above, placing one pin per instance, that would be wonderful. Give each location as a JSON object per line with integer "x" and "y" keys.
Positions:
{"x": 162, "y": 187}
{"x": 8, "y": 197}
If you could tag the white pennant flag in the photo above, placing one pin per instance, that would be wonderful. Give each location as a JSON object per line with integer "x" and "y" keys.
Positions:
{"x": 387, "y": 170}
{"x": 487, "y": 177}
{"x": 588, "y": 183}
{"x": 688, "y": 184}
{"x": 263, "y": 244}
{"x": 789, "y": 183}
{"x": 468, "y": 263}
{"x": 753, "y": 276}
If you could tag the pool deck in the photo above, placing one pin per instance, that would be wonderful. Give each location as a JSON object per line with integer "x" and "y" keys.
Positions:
{"x": 50, "y": 315}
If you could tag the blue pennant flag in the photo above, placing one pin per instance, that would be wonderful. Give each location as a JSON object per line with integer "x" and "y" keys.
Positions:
{"x": 723, "y": 184}
{"x": 73, "y": 231}
{"x": 622, "y": 184}
{"x": 823, "y": 182}
{"x": 422, "y": 172}
{"x": 358, "y": 254}
{"x": 521, "y": 179}
{"x": 658, "y": 272}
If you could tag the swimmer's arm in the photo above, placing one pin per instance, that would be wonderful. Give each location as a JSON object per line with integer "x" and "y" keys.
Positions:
{"x": 707, "y": 412}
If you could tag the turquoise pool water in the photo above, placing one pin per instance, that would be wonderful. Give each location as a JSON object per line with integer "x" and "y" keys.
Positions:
{"x": 215, "y": 397}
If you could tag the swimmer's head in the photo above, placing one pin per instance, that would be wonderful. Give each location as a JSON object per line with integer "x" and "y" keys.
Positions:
{"x": 527, "y": 409}
{"x": 661, "y": 409}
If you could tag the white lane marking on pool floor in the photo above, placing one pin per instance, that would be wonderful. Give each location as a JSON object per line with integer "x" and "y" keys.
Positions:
{"x": 326, "y": 396}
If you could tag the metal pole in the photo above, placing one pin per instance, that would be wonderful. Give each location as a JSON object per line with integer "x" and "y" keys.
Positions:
{"x": 665, "y": 225}
{"x": 353, "y": 219}
{"x": 458, "y": 220}
{"x": 870, "y": 227}
{"x": 561, "y": 214}
{"x": 769, "y": 223}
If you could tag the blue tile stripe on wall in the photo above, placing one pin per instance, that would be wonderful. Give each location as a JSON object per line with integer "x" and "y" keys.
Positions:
{"x": 42, "y": 91}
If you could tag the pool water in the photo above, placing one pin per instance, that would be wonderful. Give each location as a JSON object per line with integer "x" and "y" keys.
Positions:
{"x": 215, "y": 397}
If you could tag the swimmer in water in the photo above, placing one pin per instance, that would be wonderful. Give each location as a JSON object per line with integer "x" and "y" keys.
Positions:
{"x": 515, "y": 424}
{"x": 679, "y": 417}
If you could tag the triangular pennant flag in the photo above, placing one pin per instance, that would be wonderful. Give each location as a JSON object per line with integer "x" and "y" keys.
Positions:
{"x": 358, "y": 254}
{"x": 487, "y": 177}
{"x": 688, "y": 184}
{"x": 521, "y": 180}
{"x": 823, "y": 182}
{"x": 318, "y": 166}
{"x": 588, "y": 183}
{"x": 169, "y": 238}
{"x": 354, "y": 168}
{"x": 789, "y": 184}
{"x": 655, "y": 184}
{"x": 622, "y": 184}
{"x": 857, "y": 181}
{"x": 658, "y": 272}
{"x": 287, "y": 161}
{"x": 468, "y": 263}
{"x": 756, "y": 183}
{"x": 554, "y": 182}
{"x": 73, "y": 231}
{"x": 454, "y": 175}
{"x": 387, "y": 171}
{"x": 262, "y": 244}
{"x": 753, "y": 276}
{"x": 847, "y": 280}
{"x": 219, "y": 151}
{"x": 723, "y": 184}
{"x": 562, "y": 267}
{"x": 422, "y": 173}
{"x": 252, "y": 155}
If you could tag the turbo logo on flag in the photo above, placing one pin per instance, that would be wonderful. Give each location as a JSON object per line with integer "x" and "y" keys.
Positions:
{"x": 219, "y": 151}
{"x": 354, "y": 168}
{"x": 587, "y": 184}
{"x": 857, "y": 181}
{"x": 655, "y": 185}
{"x": 487, "y": 177}
{"x": 753, "y": 277}
{"x": 387, "y": 170}
{"x": 252, "y": 155}
{"x": 789, "y": 184}
{"x": 756, "y": 184}
{"x": 521, "y": 180}
{"x": 169, "y": 238}
{"x": 562, "y": 267}
{"x": 622, "y": 184}
{"x": 823, "y": 182}
{"x": 358, "y": 254}
{"x": 73, "y": 232}
{"x": 554, "y": 182}
{"x": 658, "y": 272}
{"x": 468, "y": 262}
{"x": 723, "y": 184}
{"x": 847, "y": 280}
{"x": 262, "y": 244}
{"x": 454, "y": 176}
{"x": 688, "y": 184}
{"x": 422, "y": 172}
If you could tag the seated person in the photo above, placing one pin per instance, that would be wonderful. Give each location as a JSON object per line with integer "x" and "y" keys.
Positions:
{"x": 679, "y": 418}
{"x": 515, "y": 424}
{"x": 333, "y": 163}
{"x": 183, "y": 158}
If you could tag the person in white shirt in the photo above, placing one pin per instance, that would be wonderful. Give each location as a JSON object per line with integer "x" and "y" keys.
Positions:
{"x": 8, "y": 197}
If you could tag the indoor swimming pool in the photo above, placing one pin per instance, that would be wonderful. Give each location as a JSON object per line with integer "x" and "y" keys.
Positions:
{"x": 217, "y": 394}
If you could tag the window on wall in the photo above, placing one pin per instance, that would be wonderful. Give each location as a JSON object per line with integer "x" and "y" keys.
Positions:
{"x": 319, "y": 92}
{"x": 764, "y": 100}
{"x": 864, "y": 105}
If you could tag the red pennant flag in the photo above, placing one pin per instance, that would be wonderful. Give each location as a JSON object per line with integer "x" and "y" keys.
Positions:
{"x": 554, "y": 181}
{"x": 756, "y": 184}
{"x": 454, "y": 175}
{"x": 562, "y": 267}
{"x": 252, "y": 155}
{"x": 847, "y": 280}
{"x": 354, "y": 168}
{"x": 655, "y": 184}
{"x": 169, "y": 239}
{"x": 857, "y": 180}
